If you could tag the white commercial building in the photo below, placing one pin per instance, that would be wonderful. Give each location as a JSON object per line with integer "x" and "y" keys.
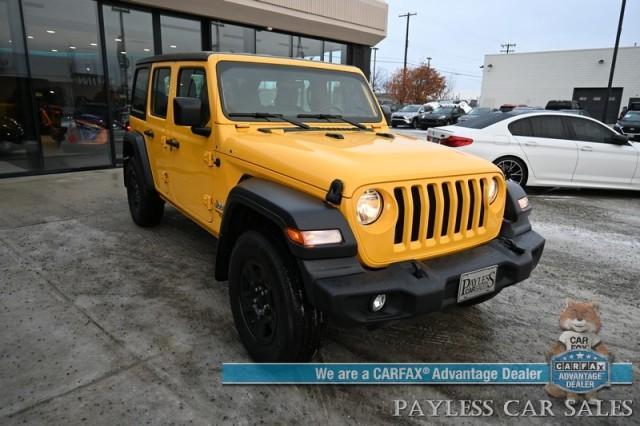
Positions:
{"x": 534, "y": 78}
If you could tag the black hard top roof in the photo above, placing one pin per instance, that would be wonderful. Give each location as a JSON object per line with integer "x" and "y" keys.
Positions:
{"x": 187, "y": 56}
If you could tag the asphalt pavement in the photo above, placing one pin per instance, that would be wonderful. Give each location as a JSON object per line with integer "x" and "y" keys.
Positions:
{"x": 103, "y": 322}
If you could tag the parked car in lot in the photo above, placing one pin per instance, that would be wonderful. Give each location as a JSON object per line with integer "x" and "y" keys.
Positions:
{"x": 386, "y": 110}
{"x": 562, "y": 105}
{"x": 11, "y": 134}
{"x": 440, "y": 117}
{"x": 407, "y": 115}
{"x": 474, "y": 113}
{"x": 629, "y": 125}
{"x": 548, "y": 149}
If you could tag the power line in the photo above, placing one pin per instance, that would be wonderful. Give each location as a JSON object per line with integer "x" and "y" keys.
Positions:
{"x": 507, "y": 48}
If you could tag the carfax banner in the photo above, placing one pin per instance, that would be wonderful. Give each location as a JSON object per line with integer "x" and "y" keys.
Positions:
{"x": 572, "y": 372}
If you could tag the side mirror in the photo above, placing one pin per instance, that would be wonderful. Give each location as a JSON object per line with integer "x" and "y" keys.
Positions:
{"x": 619, "y": 139}
{"x": 187, "y": 111}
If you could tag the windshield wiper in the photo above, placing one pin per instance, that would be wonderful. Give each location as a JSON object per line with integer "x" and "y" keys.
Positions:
{"x": 329, "y": 117}
{"x": 267, "y": 115}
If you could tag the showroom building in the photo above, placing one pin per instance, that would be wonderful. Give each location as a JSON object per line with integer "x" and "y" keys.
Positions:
{"x": 535, "y": 78}
{"x": 66, "y": 65}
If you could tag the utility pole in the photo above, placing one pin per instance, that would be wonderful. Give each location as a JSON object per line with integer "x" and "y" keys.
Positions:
{"x": 407, "y": 15}
{"x": 428, "y": 61}
{"x": 507, "y": 48}
{"x": 373, "y": 73}
{"x": 613, "y": 63}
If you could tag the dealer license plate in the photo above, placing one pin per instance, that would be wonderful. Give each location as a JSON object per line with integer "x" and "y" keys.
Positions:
{"x": 477, "y": 283}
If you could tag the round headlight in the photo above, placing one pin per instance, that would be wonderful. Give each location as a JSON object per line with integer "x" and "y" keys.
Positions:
{"x": 493, "y": 190}
{"x": 369, "y": 207}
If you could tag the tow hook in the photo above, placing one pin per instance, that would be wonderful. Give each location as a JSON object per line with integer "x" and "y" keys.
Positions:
{"x": 418, "y": 272}
{"x": 512, "y": 246}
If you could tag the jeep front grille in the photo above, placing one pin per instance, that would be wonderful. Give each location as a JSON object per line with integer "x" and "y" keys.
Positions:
{"x": 441, "y": 212}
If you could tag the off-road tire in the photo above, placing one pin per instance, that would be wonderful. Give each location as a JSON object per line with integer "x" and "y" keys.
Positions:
{"x": 279, "y": 326}
{"x": 146, "y": 207}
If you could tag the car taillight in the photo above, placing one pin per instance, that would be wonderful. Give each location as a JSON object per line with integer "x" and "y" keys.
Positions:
{"x": 456, "y": 141}
{"x": 127, "y": 127}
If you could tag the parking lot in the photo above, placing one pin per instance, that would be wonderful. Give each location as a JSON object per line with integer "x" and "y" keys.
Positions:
{"x": 103, "y": 320}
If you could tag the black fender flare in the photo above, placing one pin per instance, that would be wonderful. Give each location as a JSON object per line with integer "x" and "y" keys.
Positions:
{"x": 516, "y": 219}
{"x": 284, "y": 207}
{"x": 133, "y": 146}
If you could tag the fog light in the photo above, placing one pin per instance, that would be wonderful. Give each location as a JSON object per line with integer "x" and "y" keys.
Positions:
{"x": 378, "y": 302}
{"x": 523, "y": 203}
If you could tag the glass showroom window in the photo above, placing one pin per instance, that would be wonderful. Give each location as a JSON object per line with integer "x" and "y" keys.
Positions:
{"x": 19, "y": 148}
{"x": 68, "y": 83}
{"x": 335, "y": 53}
{"x": 128, "y": 37}
{"x": 180, "y": 35}
{"x": 272, "y": 43}
{"x": 232, "y": 38}
{"x": 307, "y": 48}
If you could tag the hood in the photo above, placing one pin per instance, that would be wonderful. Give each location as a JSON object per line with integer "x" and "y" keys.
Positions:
{"x": 632, "y": 123}
{"x": 361, "y": 158}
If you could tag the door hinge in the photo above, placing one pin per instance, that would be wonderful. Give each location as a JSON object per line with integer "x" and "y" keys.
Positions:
{"x": 208, "y": 201}
{"x": 208, "y": 158}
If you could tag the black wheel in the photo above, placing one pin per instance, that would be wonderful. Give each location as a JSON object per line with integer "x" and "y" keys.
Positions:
{"x": 414, "y": 123}
{"x": 514, "y": 169}
{"x": 394, "y": 125}
{"x": 274, "y": 321}
{"x": 146, "y": 207}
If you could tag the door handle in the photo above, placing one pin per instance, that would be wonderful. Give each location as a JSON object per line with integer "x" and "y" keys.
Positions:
{"x": 531, "y": 143}
{"x": 149, "y": 133}
{"x": 586, "y": 148}
{"x": 173, "y": 143}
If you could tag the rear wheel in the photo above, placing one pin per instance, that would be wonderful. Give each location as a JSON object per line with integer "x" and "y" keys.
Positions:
{"x": 514, "y": 169}
{"x": 146, "y": 207}
{"x": 394, "y": 125}
{"x": 274, "y": 321}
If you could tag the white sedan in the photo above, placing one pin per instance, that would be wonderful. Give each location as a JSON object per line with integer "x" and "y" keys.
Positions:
{"x": 548, "y": 148}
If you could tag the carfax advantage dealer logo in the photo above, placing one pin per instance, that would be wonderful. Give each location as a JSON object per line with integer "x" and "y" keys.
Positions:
{"x": 580, "y": 371}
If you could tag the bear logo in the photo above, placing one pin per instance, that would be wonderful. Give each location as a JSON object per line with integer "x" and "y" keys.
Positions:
{"x": 580, "y": 324}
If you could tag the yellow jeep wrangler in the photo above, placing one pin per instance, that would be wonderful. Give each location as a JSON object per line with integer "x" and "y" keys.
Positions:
{"x": 318, "y": 210}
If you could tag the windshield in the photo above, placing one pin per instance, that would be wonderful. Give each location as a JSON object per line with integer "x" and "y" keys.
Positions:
{"x": 632, "y": 115}
{"x": 248, "y": 88}
{"x": 479, "y": 111}
{"x": 410, "y": 108}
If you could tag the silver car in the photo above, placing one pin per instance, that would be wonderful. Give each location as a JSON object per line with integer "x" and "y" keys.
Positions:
{"x": 407, "y": 115}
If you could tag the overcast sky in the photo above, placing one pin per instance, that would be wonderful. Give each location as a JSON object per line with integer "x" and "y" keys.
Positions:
{"x": 457, "y": 34}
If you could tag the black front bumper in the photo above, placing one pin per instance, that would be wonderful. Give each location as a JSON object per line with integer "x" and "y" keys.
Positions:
{"x": 344, "y": 290}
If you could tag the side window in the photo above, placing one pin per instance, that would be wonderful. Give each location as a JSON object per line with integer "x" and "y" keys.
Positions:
{"x": 548, "y": 126}
{"x": 521, "y": 127}
{"x": 139, "y": 93}
{"x": 160, "y": 91}
{"x": 588, "y": 131}
{"x": 192, "y": 83}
